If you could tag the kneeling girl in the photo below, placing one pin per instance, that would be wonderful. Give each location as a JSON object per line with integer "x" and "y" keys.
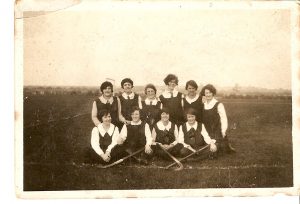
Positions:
{"x": 136, "y": 135}
{"x": 104, "y": 140}
{"x": 193, "y": 135}
{"x": 165, "y": 135}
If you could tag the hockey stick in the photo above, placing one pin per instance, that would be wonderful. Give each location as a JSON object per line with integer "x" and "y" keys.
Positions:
{"x": 172, "y": 157}
{"x": 121, "y": 160}
{"x": 199, "y": 150}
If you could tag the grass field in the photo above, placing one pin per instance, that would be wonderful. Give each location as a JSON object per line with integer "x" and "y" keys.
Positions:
{"x": 53, "y": 152}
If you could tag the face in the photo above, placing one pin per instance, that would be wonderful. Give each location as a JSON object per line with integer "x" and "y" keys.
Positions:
{"x": 106, "y": 119}
{"x": 135, "y": 116}
{"x": 191, "y": 118}
{"x": 208, "y": 95}
{"x": 107, "y": 91}
{"x": 165, "y": 117}
{"x": 172, "y": 84}
{"x": 191, "y": 90}
{"x": 127, "y": 87}
{"x": 150, "y": 93}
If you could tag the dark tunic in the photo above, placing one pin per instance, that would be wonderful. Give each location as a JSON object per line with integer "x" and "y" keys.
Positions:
{"x": 175, "y": 108}
{"x": 165, "y": 136}
{"x": 105, "y": 140}
{"x": 112, "y": 108}
{"x": 136, "y": 137}
{"x": 196, "y": 105}
{"x": 212, "y": 122}
{"x": 127, "y": 104}
{"x": 193, "y": 137}
{"x": 150, "y": 113}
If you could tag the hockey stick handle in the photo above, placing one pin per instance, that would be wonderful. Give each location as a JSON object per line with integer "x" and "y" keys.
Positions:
{"x": 123, "y": 159}
{"x": 199, "y": 150}
{"x": 172, "y": 157}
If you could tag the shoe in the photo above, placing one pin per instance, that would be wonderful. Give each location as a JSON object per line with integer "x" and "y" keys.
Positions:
{"x": 212, "y": 156}
{"x": 230, "y": 149}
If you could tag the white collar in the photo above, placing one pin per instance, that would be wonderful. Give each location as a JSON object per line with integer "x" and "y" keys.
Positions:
{"x": 154, "y": 101}
{"x": 135, "y": 123}
{"x": 167, "y": 93}
{"x": 191, "y": 100}
{"x": 103, "y": 100}
{"x": 110, "y": 130}
{"x": 211, "y": 104}
{"x": 125, "y": 95}
{"x": 188, "y": 126}
{"x": 161, "y": 126}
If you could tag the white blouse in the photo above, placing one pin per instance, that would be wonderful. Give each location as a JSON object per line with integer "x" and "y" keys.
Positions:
{"x": 162, "y": 127}
{"x": 112, "y": 131}
{"x": 221, "y": 112}
{"x": 123, "y": 133}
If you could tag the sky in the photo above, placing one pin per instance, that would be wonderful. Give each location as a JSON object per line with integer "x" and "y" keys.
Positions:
{"x": 249, "y": 47}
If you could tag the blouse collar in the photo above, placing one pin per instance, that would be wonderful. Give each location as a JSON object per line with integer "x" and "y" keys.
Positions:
{"x": 167, "y": 93}
{"x": 135, "y": 123}
{"x": 110, "y": 130}
{"x": 125, "y": 95}
{"x": 161, "y": 126}
{"x": 191, "y": 100}
{"x": 104, "y": 100}
{"x": 154, "y": 101}
{"x": 188, "y": 126}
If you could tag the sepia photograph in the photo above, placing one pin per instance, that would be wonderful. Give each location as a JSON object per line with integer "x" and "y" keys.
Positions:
{"x": 141, "y": 98}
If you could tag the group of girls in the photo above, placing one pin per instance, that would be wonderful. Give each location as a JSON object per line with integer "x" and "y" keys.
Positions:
{"x": 173, "y": 122}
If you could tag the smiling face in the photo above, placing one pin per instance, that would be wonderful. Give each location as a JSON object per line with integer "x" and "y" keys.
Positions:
{"x": 208, "y": 94}
{"x": 172, "y": 84}
{"x": 106, "y": 119}
{"x": 107, "y": 92}
{"x": 165, "y": 117}
{"x": 127, "y": 87}
{"x": 150, "y": 93}
{"x": 135, "y": 116}
{"x": 191, "y": 90}
{"x": 191, "y": 119}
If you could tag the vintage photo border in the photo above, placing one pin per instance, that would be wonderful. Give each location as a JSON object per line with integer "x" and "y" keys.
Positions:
{"x": 294, "y": 7}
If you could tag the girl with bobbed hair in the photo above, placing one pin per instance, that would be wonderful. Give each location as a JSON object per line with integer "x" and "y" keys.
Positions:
{"x": 215, "y": 119}
{"x": 192, "y": 99}
{"x": 104, "y": 137}
{"x": 107, "y": 102}
{"x": 128, "y": 99}
{"x": 151, "y": 106}
{"x": 172, "y": 99}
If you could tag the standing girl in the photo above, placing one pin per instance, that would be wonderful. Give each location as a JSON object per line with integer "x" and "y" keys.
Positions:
{"x": 128, "y": 99}
{"x": 171, "y": 99}
{"x": 193, "y": 100}
{"x": 107, "y": 102}
{"x": 151, "y": 106}
{"x": 215, "y": 119}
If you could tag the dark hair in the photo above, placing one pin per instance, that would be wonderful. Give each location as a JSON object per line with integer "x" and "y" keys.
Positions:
{"x": 126, "y": 80}
{"x": 135, "y": 108}
{"x": 171, "y": 77}
{"x": 106, "y": 84}
{"x": 103, "y": 112}
{"x": 151, "y": 86}
{"x": 191, "y": 111}
{"x": 164, "y": 110}
{"x": 191, "y": 83}
{"x": 209, "y": 87}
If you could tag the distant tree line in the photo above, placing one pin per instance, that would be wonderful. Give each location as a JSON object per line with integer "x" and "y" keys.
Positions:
{"x": 94, "y": 91}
